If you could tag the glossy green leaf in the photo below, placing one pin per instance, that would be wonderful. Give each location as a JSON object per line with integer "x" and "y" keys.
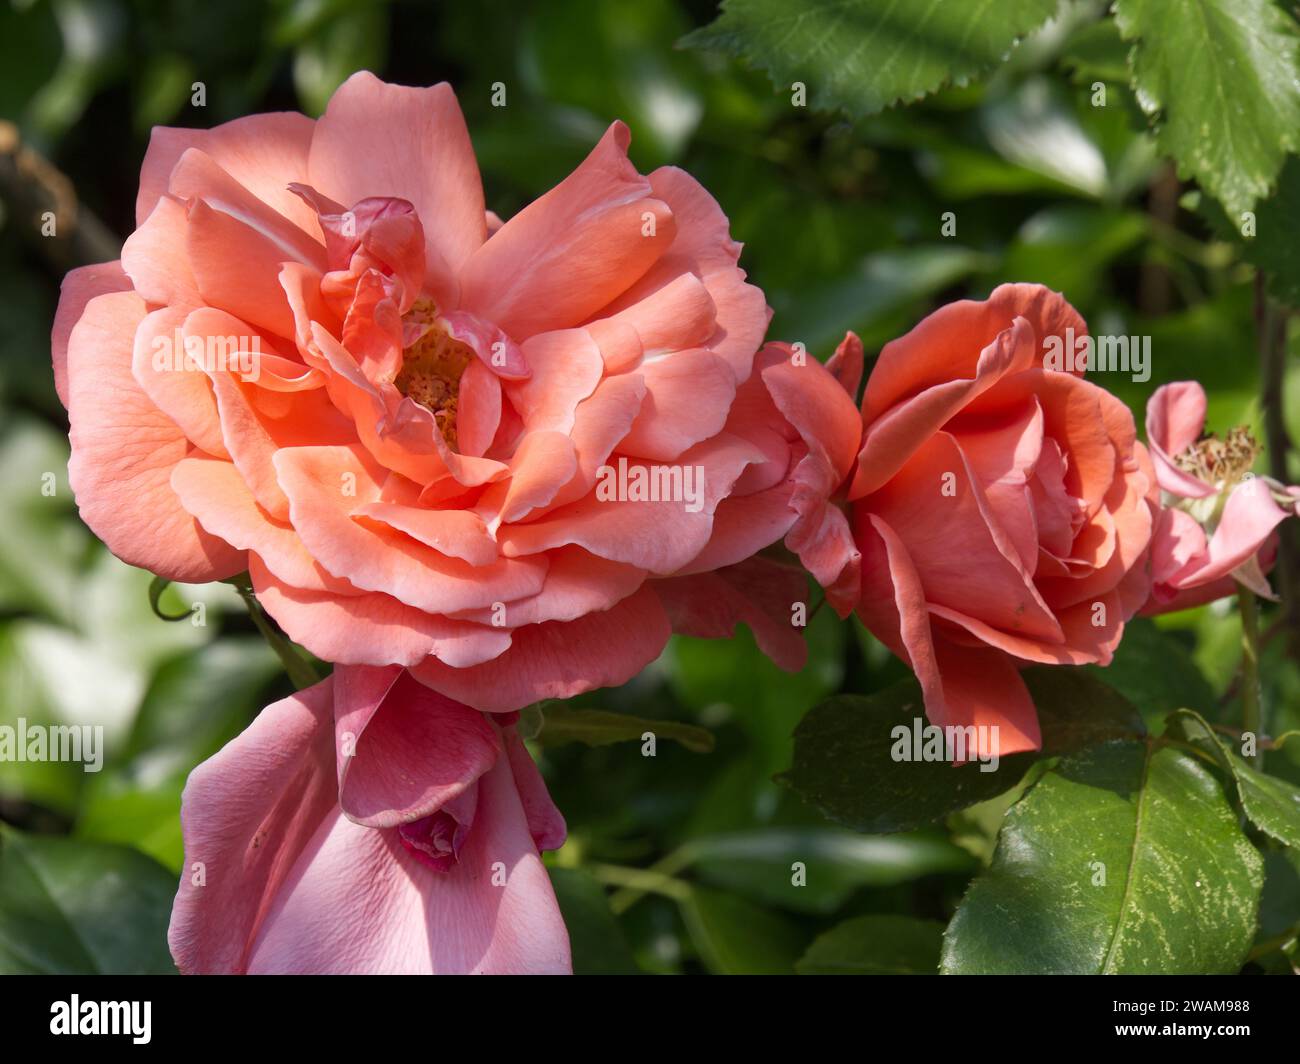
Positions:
{"x": 1155, "y": 671}
{"x": 861, "y": 56}
{"x": 1279, "y": 906}
{"x": 844, "y": 764}
{"x": 1273, "y": 805}
{"x": 1273, "y": 247}
{"x": 1125, "y": 858}
{"x": 70, "y": 907}
{"x": 875, "y": 945}
{"x": 1034, "y": 127}
{"x": 1221, "y": 78}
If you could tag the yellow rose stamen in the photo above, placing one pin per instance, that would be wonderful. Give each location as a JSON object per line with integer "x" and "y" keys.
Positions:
{"x": 432, "y": 368}
{"x": 1217, "y": 461}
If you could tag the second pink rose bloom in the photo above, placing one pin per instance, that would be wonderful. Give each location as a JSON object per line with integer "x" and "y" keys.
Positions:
{"x": 1000, "y": 511}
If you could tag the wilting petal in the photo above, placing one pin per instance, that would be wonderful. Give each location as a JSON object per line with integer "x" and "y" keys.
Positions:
{"x": 1249, "y": 516}
{"x": 1175, "y": 418}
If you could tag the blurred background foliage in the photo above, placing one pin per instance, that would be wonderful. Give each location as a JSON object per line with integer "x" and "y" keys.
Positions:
{"x": 682, "y": 861}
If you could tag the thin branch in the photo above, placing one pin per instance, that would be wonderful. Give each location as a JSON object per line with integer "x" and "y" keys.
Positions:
{"x": 1270, "y": 328}
{"x": 43, "y": 205}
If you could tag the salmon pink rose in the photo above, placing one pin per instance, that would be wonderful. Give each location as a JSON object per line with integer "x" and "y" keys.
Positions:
{"x": 1002, "y": 509}
{"x": 369, "y": 825}
{"x": 1217, "y": 525}
{"x": 509, "y": 456}
{"x": 797, "y": 391}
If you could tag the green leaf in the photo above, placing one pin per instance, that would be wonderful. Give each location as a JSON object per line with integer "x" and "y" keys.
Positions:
{"x": 835, "y": 863}
{"x": 1156, "y": 672}
{"x": 1279, "y": 906}
{"x": 875, "y": 945}
{"x": 1077, "y": 709}
{"x": 843, "y": 755}
{"x": 737, "y": 937}
{"x": 118, "y": 807}
{"x": 1125, "y": 858}
{"x": 1274, "y": 248}
{"x": 1096, "y": 52}
{"x": 861, "y": 56}
{"x": 595, "y": 938}
{"x": 69, "y": 907}
{"x": 553, "y": 723}
{"x": 1222, "y": 77}
{"x": 1273, "y": 805}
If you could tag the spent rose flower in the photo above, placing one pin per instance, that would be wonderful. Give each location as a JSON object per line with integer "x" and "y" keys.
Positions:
{"x": 1001, "y": 510}
{"x": 1216, "y": 526}
{"x": 435, "y": 439}
{"x": 367, "y": 824}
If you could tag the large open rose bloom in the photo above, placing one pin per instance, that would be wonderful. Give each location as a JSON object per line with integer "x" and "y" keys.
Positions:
{"x": 412, "y": 475}
{"x": 1217, "y": 526}
{"x": 369, "y": 825}
{"x": 1002, "y": 511}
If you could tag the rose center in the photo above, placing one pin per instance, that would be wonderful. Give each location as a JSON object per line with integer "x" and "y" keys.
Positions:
{"x": 1220, "y": 461}
{"x": 431, "y": 368}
